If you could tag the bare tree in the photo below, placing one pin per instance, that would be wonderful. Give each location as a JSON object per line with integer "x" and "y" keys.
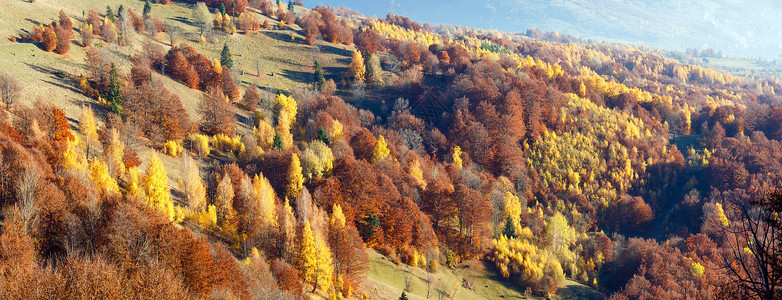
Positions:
{"x": 754, "y": 248}
{"x": 9, "y": 89}
{"x": 26, "y": 188}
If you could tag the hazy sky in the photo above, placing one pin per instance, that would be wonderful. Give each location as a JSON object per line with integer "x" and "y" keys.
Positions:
{"x": 740, "y": 28}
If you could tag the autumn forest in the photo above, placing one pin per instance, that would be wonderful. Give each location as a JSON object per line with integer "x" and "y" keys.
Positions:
{"x": 196, "y": 168}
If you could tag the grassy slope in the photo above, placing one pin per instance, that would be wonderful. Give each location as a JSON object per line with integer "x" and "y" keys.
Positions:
{"x": 290, "y": 61}
{"x": 386, "y": 280}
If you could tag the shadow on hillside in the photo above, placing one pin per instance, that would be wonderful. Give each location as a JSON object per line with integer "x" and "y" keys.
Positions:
{"x": 57, "y": 77}
{"x": 493, "y": 275}
{"x": 327, "y": 48}
{"x": 297, "y": 76}
{"x": 336, "y": 73}
{"x": 579, "y": 292}
{"x": 284, "y": 37}
{"x": 182, "y": 20}
{"x": 286, "y": 61}
{"x": 34, "y": 22}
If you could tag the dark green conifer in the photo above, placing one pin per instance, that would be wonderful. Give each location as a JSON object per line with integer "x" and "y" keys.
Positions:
{"x": 115, "y": 92}
{"x": 226, "y": 59}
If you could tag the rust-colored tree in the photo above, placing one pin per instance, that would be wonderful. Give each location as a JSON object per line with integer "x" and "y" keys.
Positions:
{"x": 49, "y": 41}
{"x": 217, "y": 114}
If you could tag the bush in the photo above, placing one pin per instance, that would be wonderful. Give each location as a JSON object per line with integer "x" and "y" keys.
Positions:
{"x": 173, "y": 148}
{"x": 226, "y": 143}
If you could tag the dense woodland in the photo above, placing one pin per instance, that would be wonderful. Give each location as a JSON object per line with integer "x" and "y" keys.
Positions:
{"x": 606, "y": 164}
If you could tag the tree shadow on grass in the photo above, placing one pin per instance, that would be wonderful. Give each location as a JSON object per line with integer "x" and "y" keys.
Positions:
{"x": 284, "y": 36}
{"x": 182, "y": 20}
{"x": 493, "y": 275}
{"x": 328, "y": 48}
{"x": 57, "y": 77}
{"x": 579, "y": 292}
{"x": 297, "y": 76}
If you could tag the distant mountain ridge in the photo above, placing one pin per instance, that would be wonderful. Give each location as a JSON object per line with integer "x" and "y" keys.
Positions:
{"x": 739, "y": 28}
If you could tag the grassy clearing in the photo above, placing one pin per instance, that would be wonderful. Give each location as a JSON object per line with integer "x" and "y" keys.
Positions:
{"x": 733, "y": 63}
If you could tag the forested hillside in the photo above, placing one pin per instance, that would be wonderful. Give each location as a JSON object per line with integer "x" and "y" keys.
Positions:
{"x": 256, "y": 149}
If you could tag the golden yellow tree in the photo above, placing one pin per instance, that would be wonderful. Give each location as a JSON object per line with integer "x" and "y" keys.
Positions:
{"x": 284, "y": 129}
{"x": 99, "y": 173}
{"x": 512, "y": 211}
{"x": 264, "y": 195}
{"x": 288, "y": 105}
{"x": 295, "y": 178}
{"x": 89, "y": 129}
{"x": 456, "y": 156}
{"x": 155, "y": 186}
{"x": 314, "y": 259}
{"x": 380, "y": 150}
{"x": 264, "y": 134}
{"x": 133, "y": 182}
{"x": 335, "y": 132}
{"x": 357, "y": 69}
{"x": 416, "y": 172}
{"x": 72, "y": 159}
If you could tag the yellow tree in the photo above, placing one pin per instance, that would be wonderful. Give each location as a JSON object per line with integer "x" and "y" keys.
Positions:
{"x": 284, "y": 129}
{"x": 88, "y": 128}
{"x": 295, "y": 178}
{"x": 264, "y": 134}
{"x": 155, "y": 186}
{"x": 133, "y": 182}
{"x": 264, "y": 195}
{"x": 456, "y": 156}
{"x": 99, "y": 173}
{"x": 416, "y": 172}
{"x": 316, "y": 159}
{"x": 357, "y": 69}
{"x": 512, "y": 211}
{"x": 288, "y": 105}
{"x": 335, "y": 132}
{"x": 314, "y": 259}
{"x": 380, "y": 150}
{"x": 71, "y": 156}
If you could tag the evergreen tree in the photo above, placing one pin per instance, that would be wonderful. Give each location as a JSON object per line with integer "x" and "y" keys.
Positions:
{"x": 320, "y": 81}
{"x": 323, "y": 136}
{"x": 225, "y": 57}
{"x": 509, "y": 231}
{"x": 403, "y": 297}
{"x": 110, "y": 14}
{"x": 222, "y": 9}
{"x": 370, "y": 72}
{"x": 290, "y": 6}
{"x": 278, "y": 142}
{"x": 279, "y": 4}
{"x": 147, "y": 8}
{"x": 233, "y": 9}
{"x": 120, "y": 9}
{"x": 115, "y": 94}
